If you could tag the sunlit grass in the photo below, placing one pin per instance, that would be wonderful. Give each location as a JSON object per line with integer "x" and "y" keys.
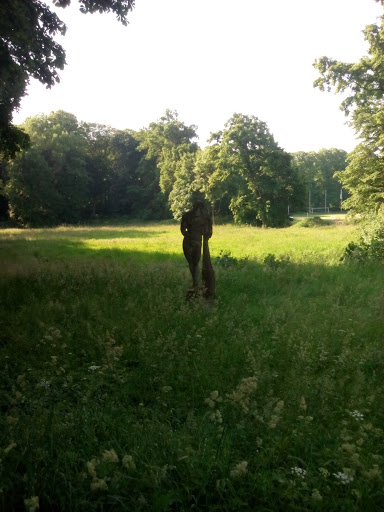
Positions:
{"x": 300, "y": 244}
{"x": 117, "y": 394}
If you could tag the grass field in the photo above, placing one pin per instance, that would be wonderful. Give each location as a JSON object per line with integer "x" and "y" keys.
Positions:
{"x": 117, "y": 394}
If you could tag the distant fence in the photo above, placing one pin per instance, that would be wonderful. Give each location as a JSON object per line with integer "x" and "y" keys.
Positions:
{"x": 324, "y": 209}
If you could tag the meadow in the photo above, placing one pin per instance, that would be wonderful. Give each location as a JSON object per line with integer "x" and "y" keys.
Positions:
{"x": 118, "y": 394}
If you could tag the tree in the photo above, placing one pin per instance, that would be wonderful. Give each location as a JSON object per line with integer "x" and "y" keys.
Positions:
{"x": 48, "y": 183}
{"x": 166, "y": 142}
{"x": 363, "y": 83}
{"x": 98, "y": 165}
{"x": 184, "y": 187}
{"x": 317, "y": 172}
{"x": 330, "y": 162}
{"x": 266, "y": 181}
{"x": 135, "y": 189}
{"x": 305, "y": 164}
{"x": 28, "y": 50}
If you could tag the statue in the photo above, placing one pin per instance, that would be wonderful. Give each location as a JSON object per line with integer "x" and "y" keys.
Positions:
{"x": 196, "y": 225}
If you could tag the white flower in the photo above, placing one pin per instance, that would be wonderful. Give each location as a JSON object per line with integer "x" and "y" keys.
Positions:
{"x": 343, "y": 477}
{"x": 44, "y": 384}
{"x": 357, "y": 415}
{"x": 300, "y": 472}
{"x": 93, "y": 368}
{"x": 239, "y": 470}
{"x": 110, "y": 456}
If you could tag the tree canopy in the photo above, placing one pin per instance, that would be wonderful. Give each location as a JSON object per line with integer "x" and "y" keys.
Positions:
{"x": 363, "y": 84}
{"x": 28, "y": 50}
{"x": 265, "y": 179}
{"x": 74, "y": 171}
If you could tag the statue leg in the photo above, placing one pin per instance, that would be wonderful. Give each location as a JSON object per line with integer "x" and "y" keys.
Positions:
{"x": 195, "y": 259}
{"x": 188, "y": 250}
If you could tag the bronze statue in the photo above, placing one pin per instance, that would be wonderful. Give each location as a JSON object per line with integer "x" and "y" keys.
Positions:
{"x": 196, "y": 225}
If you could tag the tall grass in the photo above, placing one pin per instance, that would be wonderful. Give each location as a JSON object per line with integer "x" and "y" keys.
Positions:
{"x": 117, "y": 394}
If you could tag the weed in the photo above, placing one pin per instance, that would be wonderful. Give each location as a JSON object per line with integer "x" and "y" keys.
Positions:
{"x": 116, "y": 394}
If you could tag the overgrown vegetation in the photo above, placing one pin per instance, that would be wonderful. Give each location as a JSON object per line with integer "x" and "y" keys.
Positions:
{"x": 371, "y": 243}
{"x": 312, "y": 222}
{"x": 116, "y": 394}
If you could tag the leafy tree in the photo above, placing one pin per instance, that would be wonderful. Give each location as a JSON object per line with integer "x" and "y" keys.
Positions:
{"x": 266, "y": 179}
{"x": 48, "y": 183}
{"x": 363, "y": 83}
{"x": 184, "y": 187}
{"x": 28, "y": 49}
{"x": 218, "y": 185}
{"x": 305, "y": 164}
{"x": 364, "y": 178}
{"x": 317, "y": 173}
{"x": 98, "y": 165}
{"x": 330, "y": 162}
{"x": 166, "y": 142}
{"x": 135, "y": 187}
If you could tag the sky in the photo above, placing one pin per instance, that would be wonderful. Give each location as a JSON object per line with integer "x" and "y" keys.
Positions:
{"x": 208, "y": 59}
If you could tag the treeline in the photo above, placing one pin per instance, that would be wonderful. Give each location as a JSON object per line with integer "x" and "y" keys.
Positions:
{"x": 74, "y": 171}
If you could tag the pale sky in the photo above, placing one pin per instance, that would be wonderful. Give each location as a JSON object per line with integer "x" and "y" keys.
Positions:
{"x": 208, "y": 59}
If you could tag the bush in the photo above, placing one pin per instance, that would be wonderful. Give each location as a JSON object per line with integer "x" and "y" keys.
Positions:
{"x": 371, "y": 244}
{"x": 225, "y": 259}
{"x": 313, "y": 222}
{"x": 273, "y": 263}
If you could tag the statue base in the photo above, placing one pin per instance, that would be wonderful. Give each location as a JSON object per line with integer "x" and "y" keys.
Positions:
{"x": 199, "y": 293}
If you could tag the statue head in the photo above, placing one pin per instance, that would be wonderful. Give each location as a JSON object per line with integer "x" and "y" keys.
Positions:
{"x": 198, "y": 205}
{"x": 197, "y": 200}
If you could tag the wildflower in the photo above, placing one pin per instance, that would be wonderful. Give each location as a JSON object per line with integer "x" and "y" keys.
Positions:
{"x": 316, "y": 496}
{"x": 166, "y": 389}
{"x": 110, "y": 456}
{"x": 357, "y": 415}
{"x": 243, "y": 392}
{"x": 372, "y": 473}
{"x": 276, "y": 416}
{"x": 93, "y": 368}
{"x": 239, "y": 470}
{"x": 303, "y": 404}
{"x": 44, "y": 384}
{"x": 300, "y": 472}
{"x": 32, "y": 503}
{"x": 324, "y": 472}
{"x": 91, "y": 466}
{"x": 99, "y": 484}
{"x": 9, "y": 448}
{"x": 349, "y": 448}
{"x": 213, "y": 398}
{"x": 214, "y": 395}
{"x": 216, "y": 417}
{"x": 128, "y": 462}
{"x": 343, "y": 477}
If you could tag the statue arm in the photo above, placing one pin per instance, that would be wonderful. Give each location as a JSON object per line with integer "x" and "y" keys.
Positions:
{"x": 208, "y": 227}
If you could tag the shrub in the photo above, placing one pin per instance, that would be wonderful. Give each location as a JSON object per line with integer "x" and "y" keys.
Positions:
{"x": 312, "y": 222}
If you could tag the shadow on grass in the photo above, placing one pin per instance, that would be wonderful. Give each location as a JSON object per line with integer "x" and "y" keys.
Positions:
{"x": 88, "y": 233}
{"x": 59, "y": 250}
